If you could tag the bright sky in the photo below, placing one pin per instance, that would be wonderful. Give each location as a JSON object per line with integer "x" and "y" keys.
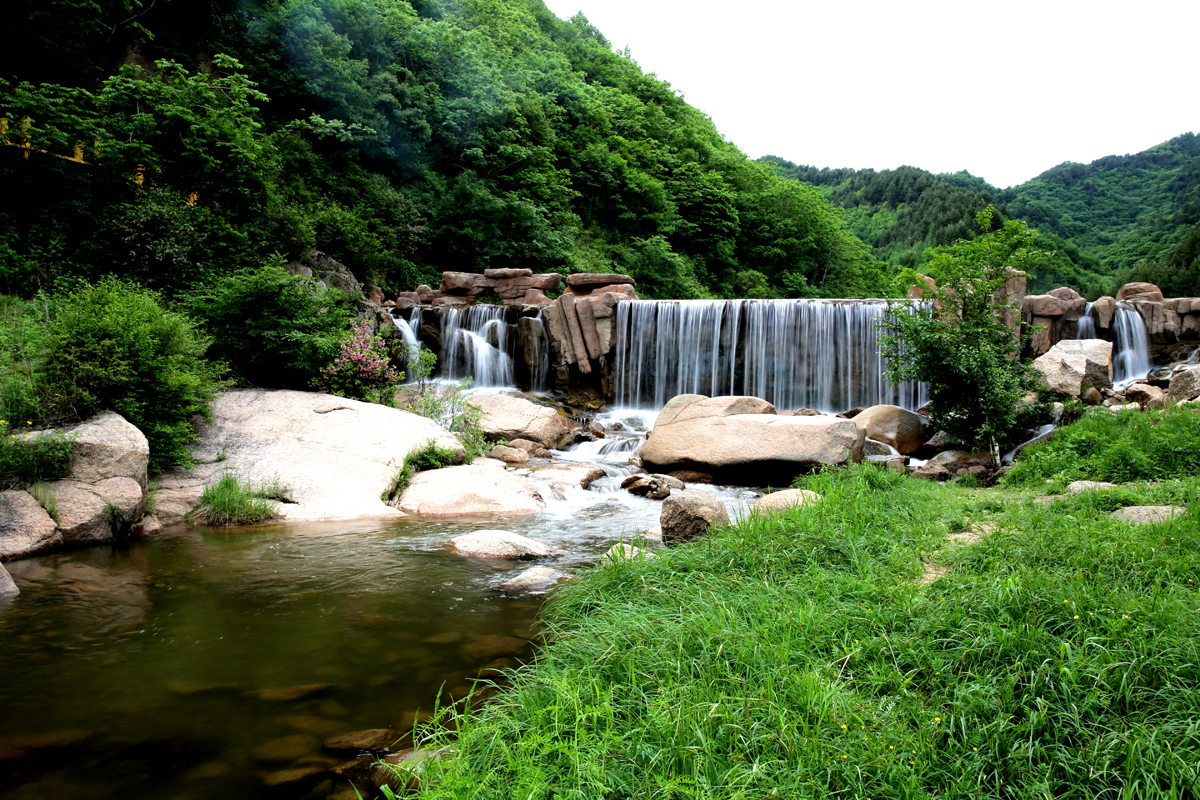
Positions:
{"x": 1004, "y": 90}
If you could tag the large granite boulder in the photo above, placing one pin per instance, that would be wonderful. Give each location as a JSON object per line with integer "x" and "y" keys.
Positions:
{"x": 781, "y": 501}
{"x": 689, "y": 515}
{"x": 469, "y": 491}
{"x": 336, "y": 455}
{"x": 1185, "y": 384}
{"x": 506, "y": 417}
{"x": 92, "y": 513}
{"x": 108, "y": 446}
{"x": 1146, "y": 396}
{"x": 25, "y": 527}
{"x": 895, "y": 426}
{"x": 741, "y": 440}
{"x": 1074, "y": 363}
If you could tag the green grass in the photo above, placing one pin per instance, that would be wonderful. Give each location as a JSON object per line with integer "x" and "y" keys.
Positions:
{"x": 801, "y": 655}
{"x": 231, "y": 502}
{"x": 430, "y": 455}
{"x": 1122, "y": 447}
{"x": 27, "y": 459}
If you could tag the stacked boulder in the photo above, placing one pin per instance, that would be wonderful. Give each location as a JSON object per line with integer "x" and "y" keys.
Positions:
{"x": 581, "y": 322}
{"x": 100, "y": 499}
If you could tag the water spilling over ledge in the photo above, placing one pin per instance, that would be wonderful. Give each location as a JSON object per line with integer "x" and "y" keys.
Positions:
{"x": 819, "y": 354}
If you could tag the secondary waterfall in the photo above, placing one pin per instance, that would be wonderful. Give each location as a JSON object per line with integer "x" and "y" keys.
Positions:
{"x": 1085, "y": 328}
{"x": 819, "y": 354}
{"x": 1131, "y": 345}
{"x": 475, "y": 345}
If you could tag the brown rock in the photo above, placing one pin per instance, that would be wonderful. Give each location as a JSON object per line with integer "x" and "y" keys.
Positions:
{"x": 375, "y": 739}
{"x": 491, "y": 646}
{"x": 291, "y": 692}
{"x": 691, "y": 476}
{"x": 648, "y": 486}
{"x": 509, "y": 455}
{"x": 108, "y": 446}
{"x": 286, "y": 748}
{"x": 690, "y": 514}
{"x": 892, "y": 425}
{"x": 508, "y": 273}
{"x": 1185, "y": 384}
{"x": 506, "y": 418}
{"x": 932, "y": 472}
{"x": 8, "y": 587}
{"x": 1103, "y": 311}
{"x": 1092, "y": 396}
{"x": 1140, "y": 291}
{"x": 590, "y": 280}
{"x": 570, "y": 475}
{"x": 1041, "y": 305}
{"x": 289, "y": 777}
{"x": 1146, "y": 395}
{"x": 500, "y": 544}
{"x": 566, "y": 304}
{"x": 1072, "y": 301}
{"x": 375, "y": 295}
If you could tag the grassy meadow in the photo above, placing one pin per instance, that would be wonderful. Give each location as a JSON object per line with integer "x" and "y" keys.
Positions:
{"x": 899, "y": 639}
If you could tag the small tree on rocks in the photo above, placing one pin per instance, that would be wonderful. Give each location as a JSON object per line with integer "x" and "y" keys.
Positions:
{"x": 959, "y": 343}
{"x": 361, "y": 370}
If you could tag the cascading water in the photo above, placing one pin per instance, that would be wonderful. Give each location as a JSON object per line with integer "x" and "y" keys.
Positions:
{"x": 1085, "y": 328}
{"x": 819, "y": 354}
{"x": 475, "y": 345}
{"x": 408, "y": 331}
{"x": 1131, "y": 345}
{"x": 540, "y": 364}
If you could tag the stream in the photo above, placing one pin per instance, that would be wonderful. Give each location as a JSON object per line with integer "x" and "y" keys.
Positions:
{"x": 213, "y": 662}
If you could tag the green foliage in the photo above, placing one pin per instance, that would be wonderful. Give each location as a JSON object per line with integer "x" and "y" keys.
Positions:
{"x": 800, "y": 655}
{"x": 1120, "y": 448}
{"x": 114, "y": 346}
{"x": 272, "y": 328}
{"x": 27, "y": 458}
{"x": 449, "y": 136}
{"x": 959, "y": 343}
{"x": 447, "y": 404}
{"x": 361, "y": 370}
{"x": 24, "y": 334}
{"x": 231, "y": 502}
{"x": 428, "y": 455}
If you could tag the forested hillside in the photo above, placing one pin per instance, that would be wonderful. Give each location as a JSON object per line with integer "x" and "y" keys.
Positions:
{"x": 1119, "y": 218}
{"x": 402, "y": 138}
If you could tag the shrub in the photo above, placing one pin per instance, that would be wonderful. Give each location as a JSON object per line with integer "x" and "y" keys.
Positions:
{"x": 24, "y": 333}
{"x": 27, "y": 459}
{"x": 1121, "y": 448}
{"x": 361, "y": 370}
{"x": 446, "y": 404}
{"x": 231, "y": 502}
{"x": 114, "y": 346}
{"x": 272, "y": 328}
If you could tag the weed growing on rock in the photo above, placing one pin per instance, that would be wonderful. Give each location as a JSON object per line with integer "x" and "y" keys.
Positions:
{"x": 27, "y": 457}
{"x": 231, "y": 502}
{"x": 429, "y": 455}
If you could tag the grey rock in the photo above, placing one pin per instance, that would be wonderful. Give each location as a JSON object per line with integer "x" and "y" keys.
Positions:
{"x": 336, "y": 455}
{"x": 895, "y": 426}
{"x": 500, "y": 544}
{"x": 1073, "y": 363}
{"x": 470, "y": 491}
{"x": 532, "y": 581}
{"x": 782, "y": 501}
{"x": 1146, "y": 515}
{"x": 509, "y": 455}
{"x": 1079, "y": 487}
{"x": 8, "y": 587}
{"x": 1185, "y": 384}
{"x": 625, "y": 552}
{"x": 1146, "y": 396}
{"x": 25, "y": 527}
{"x": 507, "y": 418}
{"x": 108, "y": 446}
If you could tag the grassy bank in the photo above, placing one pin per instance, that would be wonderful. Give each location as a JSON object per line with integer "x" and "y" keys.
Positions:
{"x": 857, "y": 648}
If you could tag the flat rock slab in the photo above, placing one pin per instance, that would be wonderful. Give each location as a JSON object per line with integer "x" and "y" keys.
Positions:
{"x": 500, "y": 544}
{"x": 337, "y": 455}
{"x": 470, "y": 491}
{"x": 1079, "y": 487}
{"x": 1147, "y": 515}
{"x": 784, "y": 500}
{"x": 574, "y": 475}
{"x": 534, "y": 580}
{"x": 290, "y": 692}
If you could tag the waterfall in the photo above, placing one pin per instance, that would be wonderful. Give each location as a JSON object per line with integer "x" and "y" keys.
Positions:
{"x": 819, "y": 354}
{"x": 475, "y": 345}
{"x": 540, "y": 370}
{"x": 1131, "y": 345}
{"x": 409, "y": 331}
{"x": 1085, "y": 328}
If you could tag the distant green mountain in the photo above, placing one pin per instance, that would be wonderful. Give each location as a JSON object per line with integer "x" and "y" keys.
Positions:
{"x": 1116, "y": 219}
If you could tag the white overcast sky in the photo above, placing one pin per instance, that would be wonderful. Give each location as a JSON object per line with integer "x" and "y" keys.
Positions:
{"x": 1005, "y": 90}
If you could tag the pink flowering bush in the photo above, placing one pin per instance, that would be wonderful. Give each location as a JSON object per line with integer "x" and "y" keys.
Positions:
{"x": 361, "y": 370}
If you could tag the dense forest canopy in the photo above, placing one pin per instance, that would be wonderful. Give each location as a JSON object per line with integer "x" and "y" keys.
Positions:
{"x": 402, "y": 138}
{"x": 1119, "y": 218}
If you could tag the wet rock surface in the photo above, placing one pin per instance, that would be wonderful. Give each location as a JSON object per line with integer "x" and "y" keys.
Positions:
{"x": 500, "y": 544}
{"x": 469, "y": 491}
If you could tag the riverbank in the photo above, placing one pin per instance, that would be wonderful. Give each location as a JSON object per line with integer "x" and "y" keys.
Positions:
{"x": 899, "y": 639}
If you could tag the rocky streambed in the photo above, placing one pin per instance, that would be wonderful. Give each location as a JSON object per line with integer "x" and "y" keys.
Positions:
{"x": 281, "y": 660}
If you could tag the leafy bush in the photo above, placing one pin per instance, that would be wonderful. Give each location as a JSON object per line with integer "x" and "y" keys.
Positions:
{"x": 429, "y": 455}
{"x": 272, "y": 328}
{"x": 1121, "y": 448}
{"x": 361, "y": 370}
{"x": 231, "y": 502}
{"x": 114, "y": 346}
{"x": 27, "y": 459}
